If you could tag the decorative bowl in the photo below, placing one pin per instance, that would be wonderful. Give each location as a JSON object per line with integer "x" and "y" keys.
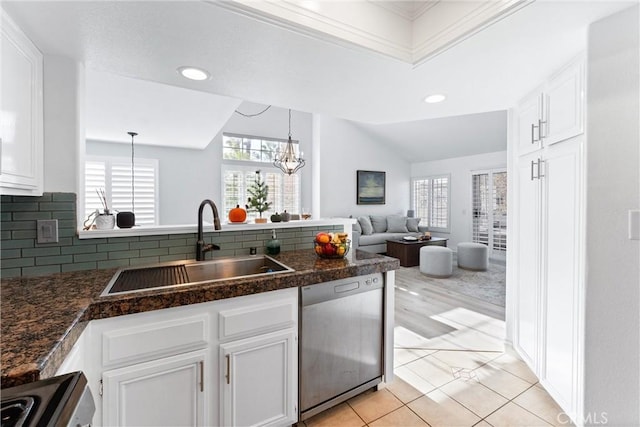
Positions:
{"x": 332, "y": 250}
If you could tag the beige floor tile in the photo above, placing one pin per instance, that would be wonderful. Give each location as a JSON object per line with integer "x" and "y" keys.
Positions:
{"x": 373, "y": 405}
{"x": 538, "y": 401}
{"x": 402, "y": 356}
{"x": 432, "y": 370}
{"x": 464, "y": 359}
{"x": 341, "y": 415}
{"x": 438, "y": 409}
{"x": 502, "y": 382}
{"x": 483, "y": 423}
{"x": 408, "y": 386}
{"x": 515, "y": 366}
{"x": 511, "y": 415}
{"x": 402, "y": 417}
{"x": 478, "y": 341}
{"x": 474, "y": 396}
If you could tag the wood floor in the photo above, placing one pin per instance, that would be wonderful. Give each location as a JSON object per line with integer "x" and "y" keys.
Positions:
{"x": 418, "y": 305}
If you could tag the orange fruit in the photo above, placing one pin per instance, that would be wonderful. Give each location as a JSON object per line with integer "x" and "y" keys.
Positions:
{"x": 323, "y": 238}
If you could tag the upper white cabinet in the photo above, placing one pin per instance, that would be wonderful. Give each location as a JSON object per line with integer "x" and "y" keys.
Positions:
{"x": 21, "y": 113}
{"x": 554, "y": 112}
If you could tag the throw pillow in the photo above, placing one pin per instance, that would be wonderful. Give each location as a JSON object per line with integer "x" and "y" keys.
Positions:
{"x": 356, "y": 227}
{"x": 397, "y": 224}
{"x": 365, "y": 224}
{"x": 412, "y": 224}
{"x": 379, "y": 223}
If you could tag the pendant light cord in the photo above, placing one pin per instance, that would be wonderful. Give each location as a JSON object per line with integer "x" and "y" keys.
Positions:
{"x": 289, "y": 124}
{"x": 133, "y": 185}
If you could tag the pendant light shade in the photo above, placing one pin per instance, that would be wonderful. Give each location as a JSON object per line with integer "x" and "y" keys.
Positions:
{"x": 286, "y": 160}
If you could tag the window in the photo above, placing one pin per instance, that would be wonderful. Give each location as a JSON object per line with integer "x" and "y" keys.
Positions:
{"x": 113, "y": 175}
{"x": 430, "y": 197}
{"x": 242, "y": 157}
{"x": 490, "y": 210}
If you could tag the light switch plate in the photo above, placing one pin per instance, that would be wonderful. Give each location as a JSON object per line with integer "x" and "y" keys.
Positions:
{"x": 634, "y": 224}
{"x": 47, "y": 231}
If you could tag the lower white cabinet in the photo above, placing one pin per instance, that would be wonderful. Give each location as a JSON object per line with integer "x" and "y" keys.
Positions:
{"x": 163, "y": 392}
{"x": 258, "y": 388}
{"x": 232, "y": 362}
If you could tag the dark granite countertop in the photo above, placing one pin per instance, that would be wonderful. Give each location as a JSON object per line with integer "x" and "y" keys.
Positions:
{"x": 42, "y": 317}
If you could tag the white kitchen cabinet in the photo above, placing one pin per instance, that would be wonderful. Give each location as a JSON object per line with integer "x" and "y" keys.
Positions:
{"x": 553, "y": 112}
{"x": 549, "y": 244}
{"x": 258, "y": 387}
{"x": 164, "y": 392}
{"x": 21, "y": 113}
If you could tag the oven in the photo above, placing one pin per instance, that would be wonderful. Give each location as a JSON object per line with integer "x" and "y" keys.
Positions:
{"x": 64, "y": 400}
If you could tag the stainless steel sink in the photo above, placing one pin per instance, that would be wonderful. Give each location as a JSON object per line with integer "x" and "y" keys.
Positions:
{"x": 179, "y": 273}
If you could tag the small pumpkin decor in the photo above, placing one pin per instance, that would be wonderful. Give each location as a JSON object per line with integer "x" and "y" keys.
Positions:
{"x": 276, "y": 217}
{"x": 237, "y": 214}
{"x": 286, "y": 216}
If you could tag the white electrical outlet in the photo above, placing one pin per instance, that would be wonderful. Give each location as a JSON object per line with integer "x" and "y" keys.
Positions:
{"x": 634, "y": 224}
{"x": 47, "y": 231}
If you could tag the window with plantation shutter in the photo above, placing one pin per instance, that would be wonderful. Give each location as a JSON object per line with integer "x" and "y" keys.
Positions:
{"x": 242, "y": 156}
{"x": 430, "y": 201}
{"x": 489, "y": 189}
{"x": 113, "y": 175}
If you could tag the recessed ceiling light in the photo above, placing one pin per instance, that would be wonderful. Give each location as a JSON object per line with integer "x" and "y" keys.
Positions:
{"x": 193, "y": 73}
{"x": 432, "y": 99}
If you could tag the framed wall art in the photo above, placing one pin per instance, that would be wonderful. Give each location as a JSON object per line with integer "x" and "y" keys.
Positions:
{"x": 370, "y": 187}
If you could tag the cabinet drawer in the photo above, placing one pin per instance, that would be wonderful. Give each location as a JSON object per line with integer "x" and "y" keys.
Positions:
{"x": 256, "y": 319}
{"x": 154, "y": 340}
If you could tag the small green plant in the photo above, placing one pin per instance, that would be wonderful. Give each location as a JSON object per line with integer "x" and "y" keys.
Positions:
{"x": 258, "y": 193}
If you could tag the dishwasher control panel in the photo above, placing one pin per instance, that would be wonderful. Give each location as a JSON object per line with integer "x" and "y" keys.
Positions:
{"x": 313, "y": 294}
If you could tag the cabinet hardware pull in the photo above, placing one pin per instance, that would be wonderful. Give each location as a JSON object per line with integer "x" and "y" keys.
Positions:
{"x": 540, "y": 162}
{"x": 532, "y": 165}
{"x": 533, "y": 138}
{"x": 540, "y": 133}
{"x": 202, "y": 376}
{"x": 228, "y": 376}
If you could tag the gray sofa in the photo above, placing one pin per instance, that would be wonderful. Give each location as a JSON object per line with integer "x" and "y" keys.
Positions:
{"x": 371, "y": 232}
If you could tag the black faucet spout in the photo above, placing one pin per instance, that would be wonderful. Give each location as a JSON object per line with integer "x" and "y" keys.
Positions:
{"x": 201, "y": 247}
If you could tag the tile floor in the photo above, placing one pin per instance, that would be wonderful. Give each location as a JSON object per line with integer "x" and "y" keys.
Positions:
{"x": 462, "y": 378}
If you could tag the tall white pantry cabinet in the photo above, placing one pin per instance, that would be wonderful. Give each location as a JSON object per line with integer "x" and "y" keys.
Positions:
{"x": 547, "y": 262}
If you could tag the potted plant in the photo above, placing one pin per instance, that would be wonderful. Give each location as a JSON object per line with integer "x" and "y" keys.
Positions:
{"x": 257, "y": 201}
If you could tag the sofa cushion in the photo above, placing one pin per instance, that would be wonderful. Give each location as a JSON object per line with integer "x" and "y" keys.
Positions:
{"x": 412, "y": 224}
{"x": 365, "y": 224}
{"x": 374, "y": 239}
{"x": 379, "y": 223}
{"x": 356, "y": 227}
{"x": 396, "y": 224}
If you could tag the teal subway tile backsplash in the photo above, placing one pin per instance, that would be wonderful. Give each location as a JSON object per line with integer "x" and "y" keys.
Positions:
{"x": 23, "y": 256}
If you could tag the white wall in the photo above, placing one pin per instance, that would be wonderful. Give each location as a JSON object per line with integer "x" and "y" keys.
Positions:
{"x": 612, "y": 342}
{"x": 344, "y": 149}
{"x": 460, "y": 169}
{"x": 63, "y": 112}
{"x": 187, "y": 176}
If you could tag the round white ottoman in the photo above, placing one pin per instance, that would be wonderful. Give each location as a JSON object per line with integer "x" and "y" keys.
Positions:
{"x": 436, "y": 261}
{"x": 472, "y": 256}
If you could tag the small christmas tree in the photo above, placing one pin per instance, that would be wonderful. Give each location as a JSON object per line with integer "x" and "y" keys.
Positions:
{"x": 258, "y": 193}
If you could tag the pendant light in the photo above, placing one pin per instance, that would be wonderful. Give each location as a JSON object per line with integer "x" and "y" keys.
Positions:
{"x": 286, "y": 160}
{"x": 128, "y": 219}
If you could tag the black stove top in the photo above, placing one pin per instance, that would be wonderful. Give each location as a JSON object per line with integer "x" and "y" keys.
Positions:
{"x": 48, "y": 402}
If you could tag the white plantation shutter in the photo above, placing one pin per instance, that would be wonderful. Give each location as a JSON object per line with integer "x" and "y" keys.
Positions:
{"x": 284, "y": 190}
{"x": 431, "y": 202}
{"x": 114, "y": 176}
{"x": 490, "y": 210}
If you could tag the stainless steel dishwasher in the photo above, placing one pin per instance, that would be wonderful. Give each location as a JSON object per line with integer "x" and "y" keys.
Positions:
{"x": 341, "y": 341}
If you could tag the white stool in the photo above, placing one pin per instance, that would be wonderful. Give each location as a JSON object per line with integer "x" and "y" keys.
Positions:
{"x": 472, "y": 256}
{"x": 436, "y": 261}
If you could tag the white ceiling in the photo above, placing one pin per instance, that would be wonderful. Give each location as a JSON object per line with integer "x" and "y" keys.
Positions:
{"x": 263, "y": 63}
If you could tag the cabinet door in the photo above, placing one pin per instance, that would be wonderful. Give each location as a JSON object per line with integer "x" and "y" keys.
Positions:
{"x": 164, "y": 392}
{"x": 564, "y": 105}
{"x": 259, "y": 380}
{"x": 21, "y": 113}
{"x": 528, "y": 259}
{"x": 529, "y": 114}
{"x": 561, "y": 290}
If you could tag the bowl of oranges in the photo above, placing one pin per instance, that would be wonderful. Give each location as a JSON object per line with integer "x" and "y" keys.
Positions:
{"x": 331, "y": 245}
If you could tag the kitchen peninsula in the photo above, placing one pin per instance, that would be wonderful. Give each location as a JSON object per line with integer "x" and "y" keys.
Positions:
{"x": 43, "y": 317}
